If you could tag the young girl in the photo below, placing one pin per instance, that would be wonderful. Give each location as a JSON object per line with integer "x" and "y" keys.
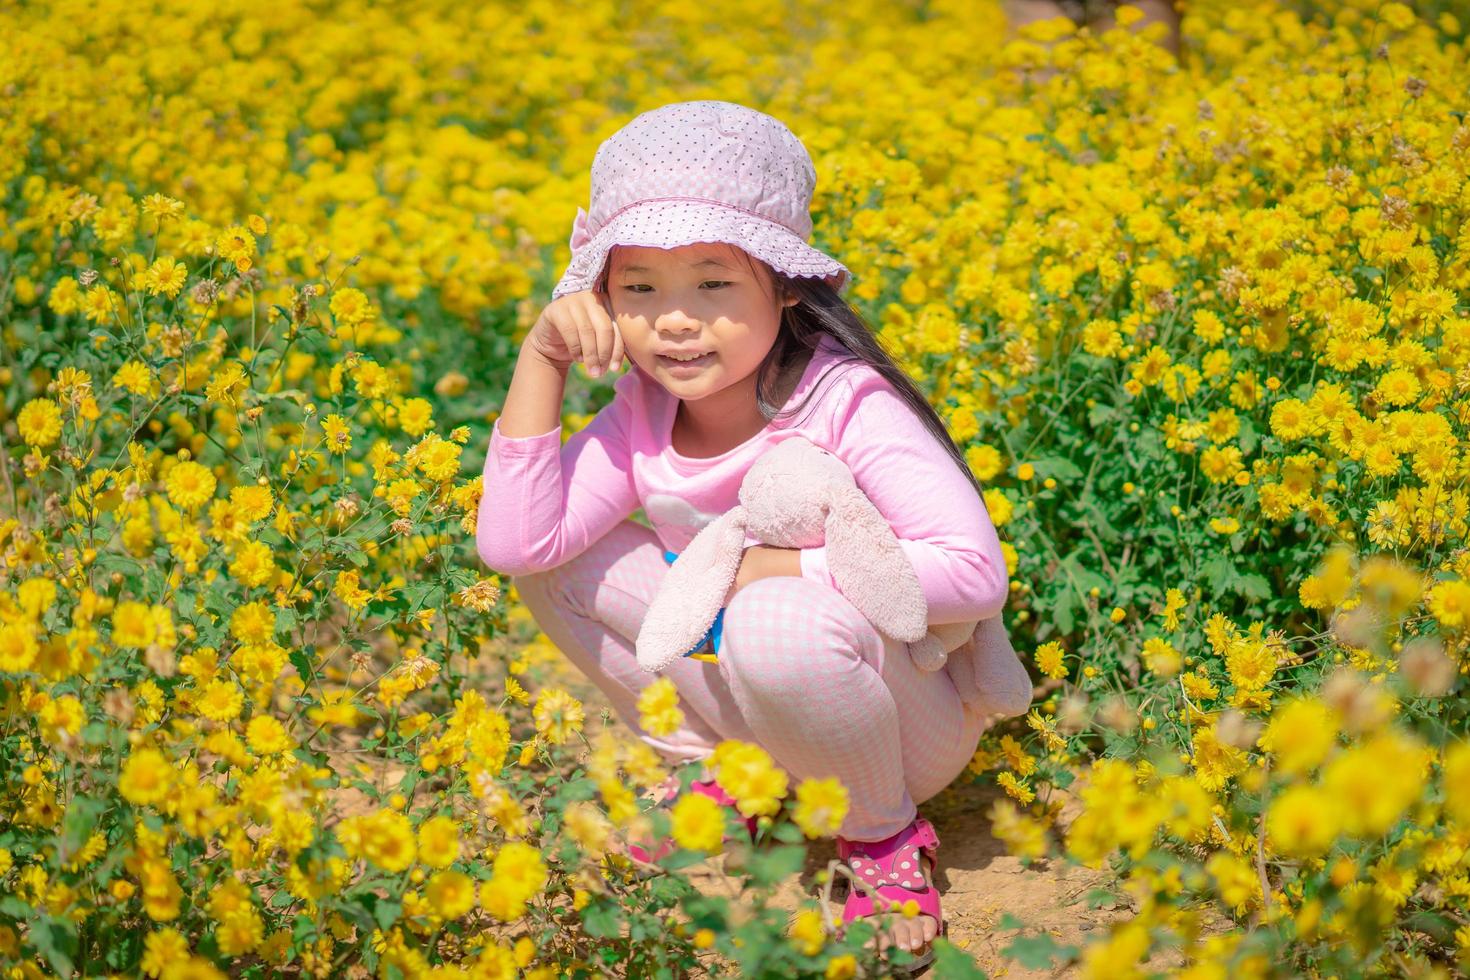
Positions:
{"x": 693, "y": 264}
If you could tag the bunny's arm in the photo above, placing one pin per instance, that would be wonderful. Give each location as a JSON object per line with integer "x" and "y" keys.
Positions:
{"x": 943, "y": 529}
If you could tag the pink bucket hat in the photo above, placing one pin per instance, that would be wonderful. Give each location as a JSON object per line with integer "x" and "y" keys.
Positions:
{"x": 702, "y": 171}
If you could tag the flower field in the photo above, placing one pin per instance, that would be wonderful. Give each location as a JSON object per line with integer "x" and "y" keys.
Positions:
{"x": 1203, "y": 332}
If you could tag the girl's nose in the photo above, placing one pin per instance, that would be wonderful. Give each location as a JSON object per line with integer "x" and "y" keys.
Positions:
{"x": 675, "y": 321}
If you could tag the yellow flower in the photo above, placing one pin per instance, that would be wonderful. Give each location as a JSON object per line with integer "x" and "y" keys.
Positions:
{"x": 1300, "y": 734}
{"x": 1022, "y": 836}
{"x": 1160, "y": 657}
{"x": 1398, "y": 16}
{"x": 415, "y": 416}
{"x": 517, "y": 875}
{"x": 821, "y": 806}
{"x": 252, "y": 502}
{"x": 985, "y": 461}
{"x": 134, "y": 376}
{"x": 807, "y": 933}
{"x": 588, "y": 827}
{"x": 1048, "y": 658}
{"x": 1373, "y": 783}
{"x": 162, "y": 948}
{"x": 146, "y": 777}
{"x": 236, "y": 244}
{"x": 748, "y": 773}
{"x": 1397, "y": 388}
{"x": 387, "y": 840}
{"x": 1015, "y": 788}
{"x": 18, "y": 646}
{"x": 254, "y": 622}
{"x": 253, "y": 565}
{"x": 267, "y": 736}
{"x": 190, "y": 485}
{"x": 450, "y": 893}
{"x": 221, "y": 701}
{"x": 162, "y": 207}
{"x": 1215, "y": 762}
{"x": 133, "y": 625}
{"x": 1302, "y": 821}
{"x": 350, "y": 306}
{"x": 339, "y": 435}
{"x": 347, "y": 589}
{"x": 1457, "y": 782}
{"x": 165, "y": 276}
{"x": 658, "y": 708}
{"x": 558, "y": 715}
{"x": 439, "y": 842}
{"x": 39, "y": 421}
{"x": 698, "y": 823}
{"x": 227, "y": 384}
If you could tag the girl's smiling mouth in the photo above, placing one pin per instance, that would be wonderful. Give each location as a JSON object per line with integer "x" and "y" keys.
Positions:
{"x": 686, "y": 367}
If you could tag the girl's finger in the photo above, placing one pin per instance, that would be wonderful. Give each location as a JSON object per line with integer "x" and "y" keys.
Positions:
{"x": 588, "y": 339}
{"x": 607, "y": 334}
{"x": 617, "y": 348}
{"x": 570, "y": 338}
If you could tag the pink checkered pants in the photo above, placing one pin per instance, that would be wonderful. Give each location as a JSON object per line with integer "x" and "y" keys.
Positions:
{"x": 801, "y": 673}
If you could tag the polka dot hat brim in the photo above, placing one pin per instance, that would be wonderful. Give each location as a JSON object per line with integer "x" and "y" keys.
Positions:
{"x": 674, "y": 221}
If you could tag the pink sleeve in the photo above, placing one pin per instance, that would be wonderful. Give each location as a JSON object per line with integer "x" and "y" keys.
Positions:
{"x": 546, "y": 502}
{"x": 944, "y": 530}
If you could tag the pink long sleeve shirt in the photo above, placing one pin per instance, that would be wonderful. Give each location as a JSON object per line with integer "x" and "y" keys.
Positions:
{"x": 546, "y": 502}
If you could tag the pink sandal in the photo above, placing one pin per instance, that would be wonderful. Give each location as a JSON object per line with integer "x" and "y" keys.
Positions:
{"x": 670, "y": 789}
{"x": 891, "y": 868}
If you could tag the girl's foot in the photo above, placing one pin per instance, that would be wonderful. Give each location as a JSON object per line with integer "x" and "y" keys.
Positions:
{"x": 900, "y": 869}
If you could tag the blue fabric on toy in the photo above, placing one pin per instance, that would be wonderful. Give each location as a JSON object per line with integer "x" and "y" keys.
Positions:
{"x": 711, "y": 635}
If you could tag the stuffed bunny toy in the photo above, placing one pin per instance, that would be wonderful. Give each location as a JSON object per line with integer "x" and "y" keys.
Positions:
{"x": 798, "y": 495}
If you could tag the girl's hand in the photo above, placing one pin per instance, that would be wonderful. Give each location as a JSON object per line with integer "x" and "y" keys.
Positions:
{"x": 763, "y": 561}
{"x": 578, "y": 327}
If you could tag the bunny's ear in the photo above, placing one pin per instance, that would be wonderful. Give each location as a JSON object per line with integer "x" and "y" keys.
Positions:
{"x": 690, "y": 595}
{"x": 870, "y": 568}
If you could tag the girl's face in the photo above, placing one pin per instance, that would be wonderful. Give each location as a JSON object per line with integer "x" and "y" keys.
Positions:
{"x": 703, "y": 298}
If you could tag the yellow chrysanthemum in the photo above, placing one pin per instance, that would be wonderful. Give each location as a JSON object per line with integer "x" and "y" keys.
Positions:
{"x": 190, "y": 485}
{"x": 39, "y": 421}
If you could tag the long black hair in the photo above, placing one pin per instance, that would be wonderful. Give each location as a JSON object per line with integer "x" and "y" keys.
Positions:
{"x": 821, "y": 311}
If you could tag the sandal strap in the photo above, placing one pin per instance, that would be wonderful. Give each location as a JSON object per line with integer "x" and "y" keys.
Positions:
{"x": 899, "y": 858}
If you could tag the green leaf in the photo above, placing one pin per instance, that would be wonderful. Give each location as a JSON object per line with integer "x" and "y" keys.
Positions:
{"x": 1218, "y": 573}
{"x": 1101, "y": 413}
{"x": 952, "y": 962}
{"x": 1037, "y": 952}
{"x": 302, "y": 662}
{"x": 1056, "y": 466}
{"x": 780, "y": 862}
{"x": 787, "y": 833}
{"x": 1061, "y": 610}
{"x": 14, "y": 908}
{"x": 56, "y": 939}
{"x": 1253, "y": 586}
{"x": 386, "y": 913}
{"x": 600, "y": 919}
{"x": 1009, "y": 921}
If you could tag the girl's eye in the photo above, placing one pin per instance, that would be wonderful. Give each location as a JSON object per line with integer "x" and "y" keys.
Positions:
{"x": 641, "y": 287}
